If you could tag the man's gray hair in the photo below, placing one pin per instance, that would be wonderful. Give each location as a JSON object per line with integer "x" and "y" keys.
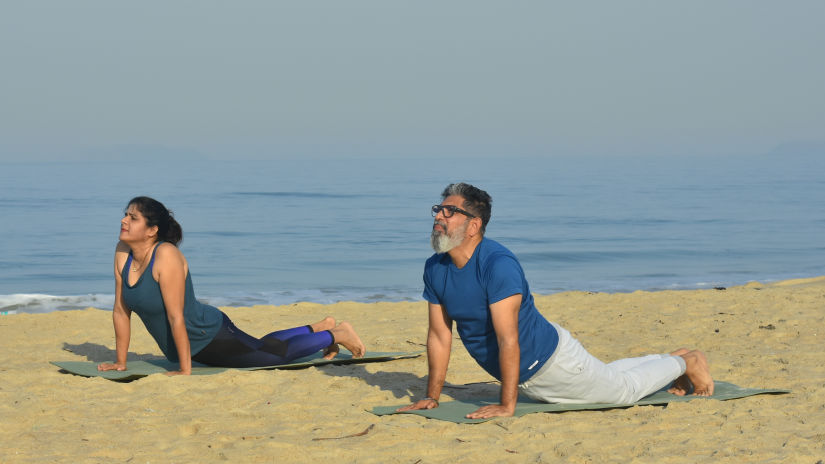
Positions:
{"x": 476, "y": 201}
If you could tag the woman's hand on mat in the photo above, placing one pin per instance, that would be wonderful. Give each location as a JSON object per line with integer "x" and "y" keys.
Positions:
{"x": 111, "y": 367}
{"x": 493, "y": 410}
{"x": 426, "y": 403}
{"x": 331, "y": 351}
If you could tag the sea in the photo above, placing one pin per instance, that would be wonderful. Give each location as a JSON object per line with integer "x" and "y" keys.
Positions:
{"x": 357, "y": 229}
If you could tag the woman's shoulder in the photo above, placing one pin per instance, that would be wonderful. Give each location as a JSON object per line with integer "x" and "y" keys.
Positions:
{"x": 122, "y": 251}
{"x": 166, "y": 247}
{"x": 169, "y": 253}
{"x": 121, "y": 255}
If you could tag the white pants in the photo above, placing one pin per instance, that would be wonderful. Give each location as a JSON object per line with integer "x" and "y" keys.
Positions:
{"x": 572, "y": 375}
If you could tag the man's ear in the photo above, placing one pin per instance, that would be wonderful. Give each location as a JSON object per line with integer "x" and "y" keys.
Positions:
{"x": 474, "y": 227}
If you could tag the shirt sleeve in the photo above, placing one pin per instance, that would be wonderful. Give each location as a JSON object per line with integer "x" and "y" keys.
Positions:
{"x": 429, "y": 293}
{"x": 504, "y": 277}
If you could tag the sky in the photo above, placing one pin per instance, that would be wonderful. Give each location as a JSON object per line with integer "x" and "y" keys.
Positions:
{"x": 267, "y": 79}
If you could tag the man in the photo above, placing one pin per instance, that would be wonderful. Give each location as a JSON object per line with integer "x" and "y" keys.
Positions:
{"x": 480, "y": 285}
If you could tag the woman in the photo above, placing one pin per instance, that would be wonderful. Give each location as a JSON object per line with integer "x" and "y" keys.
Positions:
{"x": 152, "y": 279}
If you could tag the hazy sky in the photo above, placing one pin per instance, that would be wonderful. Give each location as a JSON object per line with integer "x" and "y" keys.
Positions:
{"x": 267, "y": 79}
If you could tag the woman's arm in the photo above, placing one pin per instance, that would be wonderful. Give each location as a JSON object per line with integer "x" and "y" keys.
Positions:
{"x": 170, "y": 272}
{"x": 121, "y": 315}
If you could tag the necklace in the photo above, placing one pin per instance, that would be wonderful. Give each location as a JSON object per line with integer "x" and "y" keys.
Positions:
{"x": 135, "y": 266}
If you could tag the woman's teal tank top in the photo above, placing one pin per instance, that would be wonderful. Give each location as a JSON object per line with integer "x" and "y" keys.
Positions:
{"x": 145, "y": 299}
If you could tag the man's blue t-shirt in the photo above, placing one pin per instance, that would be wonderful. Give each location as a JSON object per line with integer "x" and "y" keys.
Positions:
{"x": 491, "y": 275}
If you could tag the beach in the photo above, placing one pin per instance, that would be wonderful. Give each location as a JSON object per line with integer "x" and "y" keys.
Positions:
{"x": 756, "y": 335}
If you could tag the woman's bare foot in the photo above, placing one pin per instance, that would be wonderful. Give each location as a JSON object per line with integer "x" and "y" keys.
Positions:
{"x": 345, "y": 335}
{"x": 331, "y": 351}
{"x": 696, "y": 376}
{"x": 327, "y": 323}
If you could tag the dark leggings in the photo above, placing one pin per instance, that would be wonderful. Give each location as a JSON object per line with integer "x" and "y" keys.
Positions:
{"x": 233, "y": 347}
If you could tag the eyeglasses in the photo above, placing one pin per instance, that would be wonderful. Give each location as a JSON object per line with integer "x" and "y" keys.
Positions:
{"x": 450, "y": 210}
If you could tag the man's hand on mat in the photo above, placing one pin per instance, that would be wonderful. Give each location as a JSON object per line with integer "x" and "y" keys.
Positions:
{"x": 426, "y": 403}
{"x": 493, "y": 410}
{"x": 111, "y": 367}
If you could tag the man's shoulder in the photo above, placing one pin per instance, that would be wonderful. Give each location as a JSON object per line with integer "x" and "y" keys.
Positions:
{"x": 492, "y": 250}
{"x": 496, "y": 261}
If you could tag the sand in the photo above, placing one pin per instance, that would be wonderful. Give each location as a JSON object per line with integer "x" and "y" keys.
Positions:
{"x": 757, "y": 335}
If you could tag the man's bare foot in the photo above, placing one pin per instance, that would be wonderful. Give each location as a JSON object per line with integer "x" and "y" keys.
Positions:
{"x": 680, "y": 352}
{"x": 345, "y": 335}
{"x": 327, "y": 323}
{"x": 697, "y": 375}
{"x": 681, "y": 386}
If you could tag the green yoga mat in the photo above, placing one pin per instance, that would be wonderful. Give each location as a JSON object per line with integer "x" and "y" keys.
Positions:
{"x": 454, "y": 411}
{"x": 138, "y": 369}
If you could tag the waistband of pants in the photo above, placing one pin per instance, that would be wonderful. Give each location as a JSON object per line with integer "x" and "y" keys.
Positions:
{"x": 560, "y": 331}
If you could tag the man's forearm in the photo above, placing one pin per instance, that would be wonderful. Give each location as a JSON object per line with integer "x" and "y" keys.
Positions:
{"x": 435, "y": 383}
{"x": 509, "y": 358}
{"x": 438, "y": 357}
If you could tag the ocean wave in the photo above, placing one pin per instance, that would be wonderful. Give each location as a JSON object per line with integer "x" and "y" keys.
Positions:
{"x": 39, "y": 303}
{"x": 318, "y": 295}
{"x": 42, "y": 303}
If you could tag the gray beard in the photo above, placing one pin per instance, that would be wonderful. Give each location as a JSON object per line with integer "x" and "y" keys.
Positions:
{"x": 443, "y": 242}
